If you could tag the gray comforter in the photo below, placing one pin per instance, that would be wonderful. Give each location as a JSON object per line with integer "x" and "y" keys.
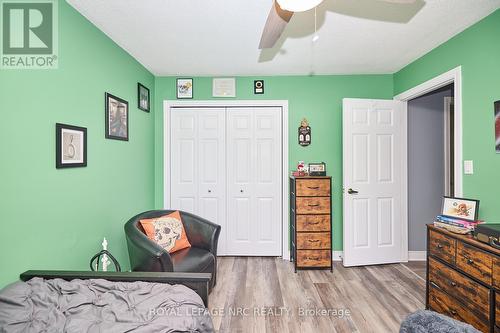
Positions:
{"x": 101, "y": 306}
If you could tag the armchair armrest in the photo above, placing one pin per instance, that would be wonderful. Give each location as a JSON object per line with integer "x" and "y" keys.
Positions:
{"x": 201, "y": 233}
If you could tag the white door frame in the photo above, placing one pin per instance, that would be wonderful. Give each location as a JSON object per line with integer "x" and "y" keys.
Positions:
{"x": 167, "y": 105}
{"x": 453, "y": 76}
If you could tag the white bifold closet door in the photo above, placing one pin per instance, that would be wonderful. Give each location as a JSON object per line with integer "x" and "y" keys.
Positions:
{"x": 254, "y": 181}
{"x": 226, "y": 167}
{"x": 198, "y": 164}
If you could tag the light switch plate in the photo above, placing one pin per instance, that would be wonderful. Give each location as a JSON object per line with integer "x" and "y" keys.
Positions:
{"x": 468, "y": 167}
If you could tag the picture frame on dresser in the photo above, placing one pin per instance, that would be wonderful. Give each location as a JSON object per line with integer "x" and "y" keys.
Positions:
{"x": 311, "y": 222}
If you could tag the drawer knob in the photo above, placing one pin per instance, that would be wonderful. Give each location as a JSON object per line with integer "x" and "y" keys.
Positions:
{"x": 313, "y": 258}
{"x": 453, "y": 312}
{"x": 453, "y": 284}
{"x": 470, "y": 261}
{"x": 313, "y": 205}
{"x": 313, "y": 223}
{"x": 439, "y": 246}
{"x": 313, "y": 187}
{"x": 313, "y": 240}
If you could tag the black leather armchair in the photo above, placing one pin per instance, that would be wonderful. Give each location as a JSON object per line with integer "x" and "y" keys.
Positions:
{"x": 146, "y": 256}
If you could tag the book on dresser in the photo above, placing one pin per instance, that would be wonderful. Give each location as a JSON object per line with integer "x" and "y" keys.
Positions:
{"x": 463, "y": 279}
{"x": 311, "y": 222}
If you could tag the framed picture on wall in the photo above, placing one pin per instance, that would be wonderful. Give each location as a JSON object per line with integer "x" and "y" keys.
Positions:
{"x": 184, "y": 88}
{"x": 497, "y": 127}
{"x": 460, "y": 208}
{"x": 142, "y": 97}
{"x": 116, "y": 118}
{"x": 71, "y": 146}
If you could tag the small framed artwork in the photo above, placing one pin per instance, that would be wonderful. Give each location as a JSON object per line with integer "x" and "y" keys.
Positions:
{"x": 184, "y": 88}
{"x": 116, "y": 118}
{"x": 258, "y": 87}
{"x": 497, "y": 127}
{"x": 142, "y": 97}
{"x": 224, "y": 87}
{"x": 71, "y": 146}
{"x": 317, "y": 169}
{"x": 460, "y": 208}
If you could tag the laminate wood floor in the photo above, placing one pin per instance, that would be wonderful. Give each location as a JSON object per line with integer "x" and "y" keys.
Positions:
{"x": 256, "y": 294}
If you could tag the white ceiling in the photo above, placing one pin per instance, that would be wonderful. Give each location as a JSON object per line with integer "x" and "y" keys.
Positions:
{"x": 220, "y": 37}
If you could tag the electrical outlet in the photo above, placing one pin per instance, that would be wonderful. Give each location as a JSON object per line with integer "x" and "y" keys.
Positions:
{"x": 469, "y": 167}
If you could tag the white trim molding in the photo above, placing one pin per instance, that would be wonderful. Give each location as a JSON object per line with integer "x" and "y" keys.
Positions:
{"x": 417, "y": 255}
{"x": 337, "y": 255}
{"x": 452, "y": 76}
{"x": 167, "y": 105}
{"x": 412, "y": 256}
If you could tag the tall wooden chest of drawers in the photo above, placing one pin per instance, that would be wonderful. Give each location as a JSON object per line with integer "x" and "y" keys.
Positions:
{"x": 463, "y": 279}
{"x": 311, "y": 222}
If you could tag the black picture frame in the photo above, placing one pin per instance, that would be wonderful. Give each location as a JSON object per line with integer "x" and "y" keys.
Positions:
{"x": 112, "y": 130}
{"x": 321, "y": 169}
{"x": 142, "y": 88}
{"x": 179, "y": 95}
{"x": 78, "y": 149}
{"x": 497, "y": 126}
{"x": 258, "y": 87}
{"x": 446, "y": 201}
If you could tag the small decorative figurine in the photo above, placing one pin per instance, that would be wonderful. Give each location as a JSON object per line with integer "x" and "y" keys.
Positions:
{"x": 105, "y": 260}
{"x": 304, "y": 133}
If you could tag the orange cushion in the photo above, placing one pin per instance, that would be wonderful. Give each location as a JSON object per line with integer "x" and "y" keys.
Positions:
{"x": 167, "y": 231}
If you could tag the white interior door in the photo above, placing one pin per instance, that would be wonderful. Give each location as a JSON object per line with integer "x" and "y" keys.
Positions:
{"x": 254, "y": 181}
{"x": 372, "y": 153}
{"x": 198, "y": 164}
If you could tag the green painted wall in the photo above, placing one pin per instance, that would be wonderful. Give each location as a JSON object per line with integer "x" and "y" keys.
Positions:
{"x": 477, "y": 50}
{"x": 56, "y": 219}
{"x": 318, "y": 98}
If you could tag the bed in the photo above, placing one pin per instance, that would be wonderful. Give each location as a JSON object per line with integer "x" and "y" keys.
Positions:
{"x": 72, "y": 301}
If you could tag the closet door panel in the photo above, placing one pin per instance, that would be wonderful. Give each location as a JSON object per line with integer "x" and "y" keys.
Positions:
{"x": 212, "y": 169}
{"x": 198, "y": 166}
{"x": 183, "y": 159}
{"x": 239, "y": 181}
{"x": 267, "y": 138}
{"x": 254, "y": 181}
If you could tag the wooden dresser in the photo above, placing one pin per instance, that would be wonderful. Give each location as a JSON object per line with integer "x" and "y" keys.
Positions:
{"x": 463, "y": 279}
{"x": 311, "y": 222}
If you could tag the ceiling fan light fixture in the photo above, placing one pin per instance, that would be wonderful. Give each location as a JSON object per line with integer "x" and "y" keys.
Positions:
{"x": 298, "y": 5}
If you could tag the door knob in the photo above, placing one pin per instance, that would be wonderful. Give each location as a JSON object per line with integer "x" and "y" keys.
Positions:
{"x": 241, "y": 191}
{"x": 351, "y": 191}
{"x": 209, "y": 191}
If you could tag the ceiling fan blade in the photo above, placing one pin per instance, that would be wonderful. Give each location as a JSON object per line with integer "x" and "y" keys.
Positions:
{"x": 276, "y": 22}
{"x": 400, "y": 1}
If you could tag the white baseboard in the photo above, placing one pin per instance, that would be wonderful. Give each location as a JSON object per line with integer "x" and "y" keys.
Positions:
{"x": 337, "y": 255}
{"x": 412, "y": 255}
{"x": 417, "y": 255}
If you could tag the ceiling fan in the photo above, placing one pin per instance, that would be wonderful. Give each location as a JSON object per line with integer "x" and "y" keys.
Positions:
{"x": 281, "y": 13}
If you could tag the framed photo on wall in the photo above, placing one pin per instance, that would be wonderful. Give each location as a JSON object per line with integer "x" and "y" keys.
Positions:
{"x": 184, "y": 88}
{"x": 71, "y": 146}
{"x": 497, "y": 127}
{"x": 143, "y": 99}
{"x": 460, "y": 208}
{"x": 116, "y": 118}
